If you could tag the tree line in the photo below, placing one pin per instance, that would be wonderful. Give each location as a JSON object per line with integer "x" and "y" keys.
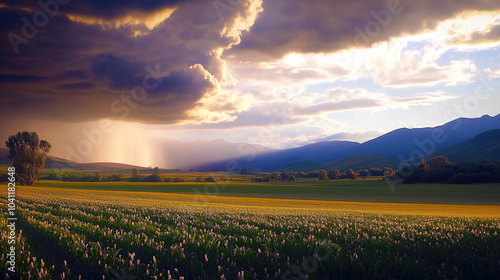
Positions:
{"x": 135, "y": 177}
{"x": 29, "y": 153}
{"x": 321, "y": 174}
{"x": 440, "y": 170}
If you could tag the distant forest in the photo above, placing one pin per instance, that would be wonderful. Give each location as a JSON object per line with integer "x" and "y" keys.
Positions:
{"x": 435, "y": 170}
{"x": 441, "y": 170}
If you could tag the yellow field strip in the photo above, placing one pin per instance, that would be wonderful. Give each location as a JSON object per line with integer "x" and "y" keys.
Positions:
{"x": 194, "y": 202}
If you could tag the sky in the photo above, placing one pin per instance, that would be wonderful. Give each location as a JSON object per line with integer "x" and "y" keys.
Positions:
{"x": 113, "y": 80}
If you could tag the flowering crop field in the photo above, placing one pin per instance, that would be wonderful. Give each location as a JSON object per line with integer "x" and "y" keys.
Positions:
{"x": 89, "y": 234}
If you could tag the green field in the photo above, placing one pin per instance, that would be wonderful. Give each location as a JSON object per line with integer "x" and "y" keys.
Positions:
{"x": 95, "y": 234}
{"x": 304, "y": 229}
{"x": 344, "y": 190}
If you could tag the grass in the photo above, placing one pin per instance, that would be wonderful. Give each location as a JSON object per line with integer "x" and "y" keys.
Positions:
{"x": 252, "y": 204}
{"x": 305, "y": 229}
{"x": 360, "y": 190}
{"x": 95, "y": 234}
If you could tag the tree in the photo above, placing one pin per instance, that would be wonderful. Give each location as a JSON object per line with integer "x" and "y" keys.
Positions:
{"x": 387, "y": 171}
{"x": 29, "y": 154}
{"x": 135, "y": 173}
{"x": 364, "y": 173}
{"x": 210, "y": 179}
{"x": 199, "y": 179}
{"x": 116, "y": 177}
{"x": 322, "y": 176}
{"x": 334, "y": 174}
{"x": 439, "y": 162}
{"x": 352, "y": 175}
{"x": 156, "y": 171}
{"x": 97, "y": 177}
{"x": 155, "y": 177}
{"x": 423, "y": 165}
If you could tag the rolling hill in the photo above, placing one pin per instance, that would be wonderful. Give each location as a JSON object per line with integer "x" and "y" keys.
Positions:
{"x": 321, "y": 152}
{"x": 305, "y": 166}
{"x": 400, "y": 143}
{"x": 357, "y": 162}
{"x": 397, "y": 145}
{"x": 484, "y": 146}
{"x": 454, "y": 140}
{"x": 57, "y": 163}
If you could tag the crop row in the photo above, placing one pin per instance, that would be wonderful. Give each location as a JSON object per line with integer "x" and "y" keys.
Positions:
{"x": 100, "y": 241}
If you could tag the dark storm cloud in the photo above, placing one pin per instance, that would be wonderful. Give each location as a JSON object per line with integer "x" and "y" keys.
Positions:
{"x": 75, "y": 68}
{"x": 7, "y": 78}
{"x": 492, "y": 35}
{"x": 76, "y": 86}
{"x": 119, "y": 71}
{"x": 108, "y": 9}
{"x": 328, "y": 26}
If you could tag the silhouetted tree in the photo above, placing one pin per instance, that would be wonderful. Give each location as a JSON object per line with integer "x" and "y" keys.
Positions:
{"x": 29, "y": 154}
{"x": 364, "y": 172}
{"x": 198, "y": 179}
{"x": 438, "y": 162}
{"x": 387, "y": 171}
{"x": 352, "y": 175}
{"x": 156, "y": 171}
{"x": 334, "y": 174}
{"x": 135, "y": 173}
{"x": 376, "y": 171}
{"x": 322, "y": 176}
{"x": 210, "y": 179}
{"x": 97, "y": 177}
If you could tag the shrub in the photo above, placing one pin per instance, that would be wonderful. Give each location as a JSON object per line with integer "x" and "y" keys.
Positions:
{"x": 198, "y": 179}
{"x": 210, "y": 179}
{"x": 178, "y": 179}
{"x": 154, "y": 178}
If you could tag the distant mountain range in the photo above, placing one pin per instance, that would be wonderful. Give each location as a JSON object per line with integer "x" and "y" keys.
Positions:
{"x": 321, "y": 152}
{"x": 485, "y": 146}
{"x": 386, "y": 150}
{"x": 401, "y": 143}
{"x": 471, "y": 139}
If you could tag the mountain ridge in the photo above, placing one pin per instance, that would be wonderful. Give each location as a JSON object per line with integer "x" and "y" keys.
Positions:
{"x": 400, "y": 144}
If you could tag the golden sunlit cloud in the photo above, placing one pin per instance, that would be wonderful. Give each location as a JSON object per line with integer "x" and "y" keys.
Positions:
{"x": 293, "y": 59}
{"x": 470, "y": 28}
{"x": 150, "y": 20}
{"x": 243, "y": 21}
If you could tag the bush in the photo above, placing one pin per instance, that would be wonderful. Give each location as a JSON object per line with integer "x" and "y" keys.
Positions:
{"x": 115, "y": 178}
{"x": 178, "y": 179}
{"x": 154, "y": 178}
{"x": 198, "y": 179}
{"x": 210, "y": 179}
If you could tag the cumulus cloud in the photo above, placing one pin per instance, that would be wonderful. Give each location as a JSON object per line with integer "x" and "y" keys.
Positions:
{"x": 148, "y": 61}
{"x": 187, "y": 66}
{"x": 340, "y": 99}
{"x": 325, "y": 26}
